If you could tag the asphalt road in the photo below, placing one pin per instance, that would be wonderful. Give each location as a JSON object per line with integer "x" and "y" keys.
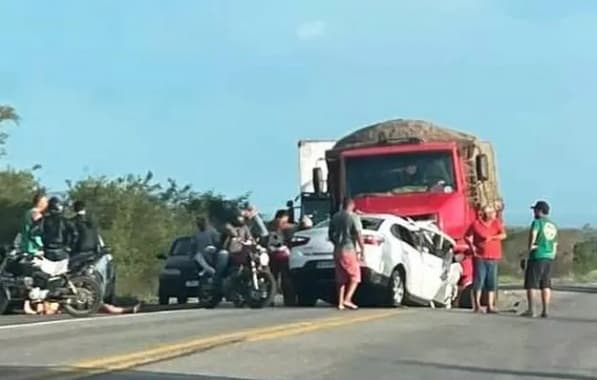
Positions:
{"x": 319, "y": 343}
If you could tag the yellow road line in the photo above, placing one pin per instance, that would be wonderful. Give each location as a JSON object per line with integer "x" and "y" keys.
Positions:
{"x": 88, "y": 368}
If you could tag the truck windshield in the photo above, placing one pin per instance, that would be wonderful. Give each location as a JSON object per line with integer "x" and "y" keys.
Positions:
{"x": 390, "y": 174}
{"x": 316, "y": 209}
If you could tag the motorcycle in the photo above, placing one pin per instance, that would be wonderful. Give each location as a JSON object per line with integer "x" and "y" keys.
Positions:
{"x": 23, "y": 276}
{"x": 247, "y": 281}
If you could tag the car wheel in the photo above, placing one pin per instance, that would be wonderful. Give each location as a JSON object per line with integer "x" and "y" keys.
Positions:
{"x": 288, "y": 291}
{"x": 306, "y": 299}
{"x": 4, "y": 300}
{"x": 164, "y": 299}
{"x": 397, "y": 288}
{"x": 182, "y": 300}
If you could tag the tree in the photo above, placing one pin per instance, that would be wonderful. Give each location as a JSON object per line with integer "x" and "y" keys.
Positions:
{"x": 139, "y": 218}
{"x": 16, "y": 192}
{"x": 7, "y": 113}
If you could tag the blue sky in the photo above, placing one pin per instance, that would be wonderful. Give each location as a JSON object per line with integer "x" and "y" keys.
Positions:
{"x": 217, "y": 93}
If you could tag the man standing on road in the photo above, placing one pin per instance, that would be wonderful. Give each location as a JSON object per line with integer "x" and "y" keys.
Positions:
{"x": 542, "y": 251}
{"x": 345, "y": 233}
{"x": 486, "y": 235}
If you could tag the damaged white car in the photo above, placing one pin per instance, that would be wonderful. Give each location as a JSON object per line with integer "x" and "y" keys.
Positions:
{"x": 405, "y": 261}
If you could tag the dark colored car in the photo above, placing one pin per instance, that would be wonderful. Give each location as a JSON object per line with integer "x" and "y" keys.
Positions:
{"x": 179, "y": 277}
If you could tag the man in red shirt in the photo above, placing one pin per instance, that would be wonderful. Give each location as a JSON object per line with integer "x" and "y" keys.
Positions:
{"x": 485, "y": 240}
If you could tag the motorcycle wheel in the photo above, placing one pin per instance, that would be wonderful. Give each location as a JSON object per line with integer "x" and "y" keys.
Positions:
{"x": 267, "y": 281}
{"x": 88, "y": 299}
{"x": 4, "y": 299}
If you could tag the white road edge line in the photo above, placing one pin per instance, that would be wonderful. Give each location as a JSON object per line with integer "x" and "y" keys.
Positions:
{"x": 75, "y": 320}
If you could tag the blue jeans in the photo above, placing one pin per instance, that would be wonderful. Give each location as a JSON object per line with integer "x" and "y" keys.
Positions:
{"x": 485, "y": 276}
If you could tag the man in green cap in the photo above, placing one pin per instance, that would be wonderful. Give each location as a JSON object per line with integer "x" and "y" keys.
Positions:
{"x": 543, "y": 246}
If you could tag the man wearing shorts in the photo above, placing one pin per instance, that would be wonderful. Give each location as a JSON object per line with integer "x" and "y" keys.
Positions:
{"x": 486, "y": 235}
{"x": 345, "y": 233}
{"x": 542, "y": 252}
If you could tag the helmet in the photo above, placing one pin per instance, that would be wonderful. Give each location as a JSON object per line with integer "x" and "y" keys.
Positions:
{"x": 237, "y": 218}
{"x": 55, "y": 205}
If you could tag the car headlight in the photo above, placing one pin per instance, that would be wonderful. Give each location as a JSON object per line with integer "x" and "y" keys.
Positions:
{"x": 264, "y": 259}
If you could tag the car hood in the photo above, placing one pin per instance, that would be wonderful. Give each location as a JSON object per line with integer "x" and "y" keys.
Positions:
{"x": 180, "y": 262}
{"x": 405, "y": 204}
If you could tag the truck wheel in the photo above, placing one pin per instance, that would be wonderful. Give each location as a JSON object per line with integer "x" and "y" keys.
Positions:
{"x": 397, "y": 293}
{"x": 464, "y": 299}
{"x": 182, "y": 299}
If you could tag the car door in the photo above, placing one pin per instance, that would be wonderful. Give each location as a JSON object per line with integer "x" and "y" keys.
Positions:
{"x": 433, "y": 270}
{"x": 410, "y": 257}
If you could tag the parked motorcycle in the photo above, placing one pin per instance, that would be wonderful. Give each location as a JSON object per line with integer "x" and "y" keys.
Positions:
{"x": 247, "y": 281}
{"x": 25, "y": 277}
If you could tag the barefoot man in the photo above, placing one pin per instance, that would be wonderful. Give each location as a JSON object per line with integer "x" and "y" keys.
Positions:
{"x": 345, "y": 233}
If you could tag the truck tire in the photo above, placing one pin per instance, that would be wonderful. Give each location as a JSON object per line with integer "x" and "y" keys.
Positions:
{"x": 465, "y": 300}
{"x": 182, "y": 299}
{"x": 396, "y": 293}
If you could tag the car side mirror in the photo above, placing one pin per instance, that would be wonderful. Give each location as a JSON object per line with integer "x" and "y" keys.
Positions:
{"x": 161, "y": 256}
{"x": 482, "y": 167}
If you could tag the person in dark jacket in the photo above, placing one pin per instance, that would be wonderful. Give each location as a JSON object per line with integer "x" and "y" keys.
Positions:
{"x": 57, "y": 232}
{"x": 87, "y": 232}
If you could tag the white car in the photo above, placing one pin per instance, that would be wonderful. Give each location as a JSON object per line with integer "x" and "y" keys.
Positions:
{"x": 404, "y": 261}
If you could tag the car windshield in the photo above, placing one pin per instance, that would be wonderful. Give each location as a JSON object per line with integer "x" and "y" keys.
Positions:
{"x": 371, "y": 224}
{"x": 182, "y": 247}
{"x": 400, "y": 173}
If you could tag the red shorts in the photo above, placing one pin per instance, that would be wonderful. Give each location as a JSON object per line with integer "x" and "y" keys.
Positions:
{"x": 348, "y": 268}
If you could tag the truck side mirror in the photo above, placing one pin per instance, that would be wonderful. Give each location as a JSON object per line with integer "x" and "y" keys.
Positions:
{"x": 161, "y": 256}
{"x": 290, "y": 204}
{"x": 318, "y": 180}
{"x": 482, "y": 167}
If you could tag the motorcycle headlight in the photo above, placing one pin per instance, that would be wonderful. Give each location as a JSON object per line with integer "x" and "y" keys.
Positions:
{"x": 264, "y": 259}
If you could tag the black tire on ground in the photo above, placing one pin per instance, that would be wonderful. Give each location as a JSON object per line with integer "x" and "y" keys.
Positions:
{"x": 396, "y": 292}
{"x": 288, "y": 292}
{"x": 163, "y": 298}
{"x": 306, "y": 299}
{"x": 270, "y": 282}
{"x": 182, "y": 299}
{"x": 4, "y": 300}
{"x": 465, "y": 300}
{"x": 90, "y": 301}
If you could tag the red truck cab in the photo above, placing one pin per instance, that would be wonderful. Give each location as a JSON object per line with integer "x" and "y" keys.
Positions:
{"x": 413, "y": 177}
